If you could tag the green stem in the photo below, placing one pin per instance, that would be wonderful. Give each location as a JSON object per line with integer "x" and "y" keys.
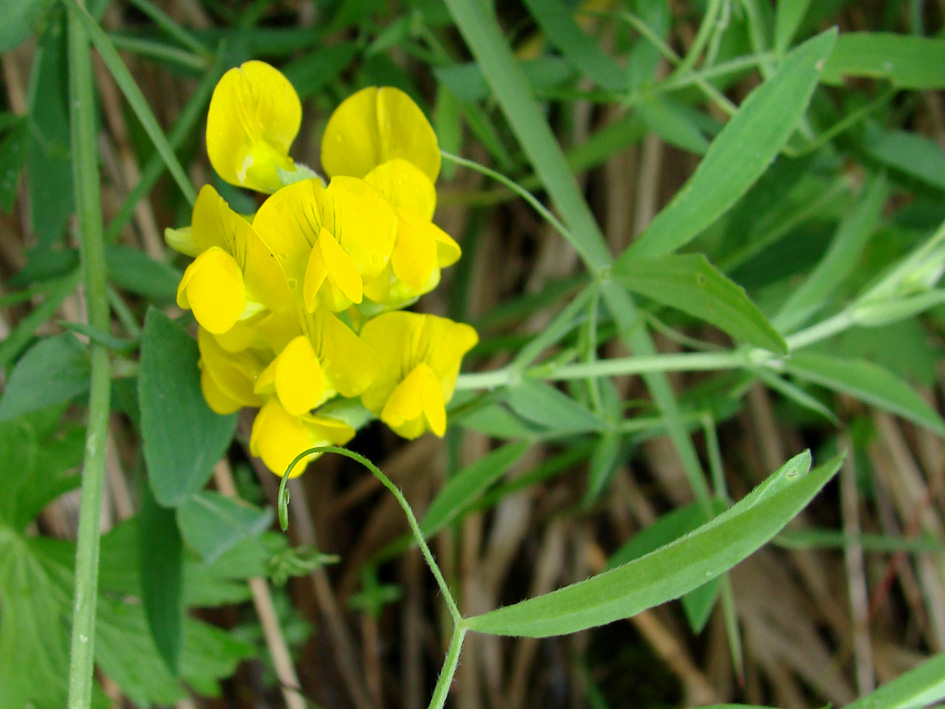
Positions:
{"x": 401, "y": 500}
{"x": 88, "y": 204}
{"x": 445, "y": 680}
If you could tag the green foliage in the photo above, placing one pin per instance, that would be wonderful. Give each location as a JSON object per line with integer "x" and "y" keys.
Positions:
{"x": 183, "y": 439}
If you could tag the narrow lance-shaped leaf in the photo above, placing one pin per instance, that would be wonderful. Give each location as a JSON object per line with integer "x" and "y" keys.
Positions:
{"x": 690, "y": 283}
{"x": 919, "y": 687}
{"x": 741, "y": 152}
{"x": 668, "y": 572}
{"x": 868, "y": 382}
{"x": 908, "y": 62}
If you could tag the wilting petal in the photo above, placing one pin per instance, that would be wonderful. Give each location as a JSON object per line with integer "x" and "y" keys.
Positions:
{"x": 374, "y": 126}
{"x": 254, "y": 116}
{"x": 182, "y": 240}
{"x": 212, "y": 286}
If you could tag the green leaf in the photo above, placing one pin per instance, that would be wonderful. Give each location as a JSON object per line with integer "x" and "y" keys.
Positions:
{"x": 212, "y": 523}
{"x": 12, "y": 156}
{"x": 314, "y": 71}
{"x": 549, "y": 408}
{"x": 669, "y": 572}
{"x": 468, "y": 485}
{"x": 907, "y": 153}
{"x": 908, "y": 62}
{"x": 787, "y": 19}
{"x": 554, "y": 18}
{"x": 919, "y": 687}
{"x": 467, "y": 83}
{"x": 868, "y": 382}
{"x": 690, "y": 283}
{"x": 48, "y": 162}
{"x": 183, "y": 438}
{"x": 134, "y": 271}
{"x": 162, "y": 578}
{"x": 20, "y": 20}
{"x": 670, "y": 121}
{"x": 54, "y": 370}
{"x": 740, "y": 153}
{"x": 841, "y": 258}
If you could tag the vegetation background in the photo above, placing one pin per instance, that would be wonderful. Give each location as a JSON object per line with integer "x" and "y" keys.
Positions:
{"x": 822, "y": 199}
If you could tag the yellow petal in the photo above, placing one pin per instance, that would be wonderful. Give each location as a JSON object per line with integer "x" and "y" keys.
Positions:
{"x": 446, "y": 343}
{"x": 405, "y": 185}
{"x": 253, "y": 118}
{"x": 342, "y": 270}
{"x": 416, "y": 404}
{"x": 362, "y": 221}
{"x": 316, "y": 271}
{"x": 217, "y": 399}
{"x": 414, "y": 256}
{"x": 299, "y": 380}
{"x": 374, "y": 126}
{"x": 289, "y": 223}
{"x": 278, "y": 437}
{"x": 350, "y": 365}
{"x": 212, "y": 286}
{"x": 233, "y": 374}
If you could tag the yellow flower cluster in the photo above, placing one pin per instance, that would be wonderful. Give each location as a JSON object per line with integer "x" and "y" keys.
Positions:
{"x": 300, "y": 303}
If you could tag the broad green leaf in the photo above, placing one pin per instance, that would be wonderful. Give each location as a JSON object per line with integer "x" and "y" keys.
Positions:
{"x": 908, "y": 62}
{"x": 907, "y": 153}
{"x": 554, "y": 18}
{"x": 868, "y": 382}
{"x": 134, "y": 271}
{"x": 670, "y": 571}
{"x": 690, "y": 283}
{"x": 162, "y": 578}
{"x": 54, "y": 370}
{"x": 12, "y": 156}
{"x": 551, "y": 409}
{"x": 468, "y": 485}
{"x": 21, "y": 19}
{"x": 212, "y": 523}
{"x": 741, "y": 152}
{"x": 183, "y": 438}
{"x": 919, "y": 687}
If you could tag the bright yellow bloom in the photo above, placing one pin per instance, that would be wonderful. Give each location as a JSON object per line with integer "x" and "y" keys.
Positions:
{"x": 227, "y": 378}
{"x": 329, "y": 241}
{"x": 278, "y": 437}
{"x": 376, "y": 125}
{"x": 254, "y": 116}
{"x": 421, "y": 248}
{"x": 315, "y": 365}
{"x": 420, "y": 358}
{"x": 234, "y": 275}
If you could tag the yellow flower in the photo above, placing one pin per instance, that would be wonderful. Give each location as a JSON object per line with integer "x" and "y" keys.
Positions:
{"x": 376, "y": 125}
{"x": 254, "y": 116}
{"x": 234, "y": 275}
{"x": 227, "y": 378}
{"x": 420, "y": 358}
{"x": 278, "y": 437}
{"x": 328, "y": 241}
{"x": 421, "y": 248}
{"x": 315, "y": 365}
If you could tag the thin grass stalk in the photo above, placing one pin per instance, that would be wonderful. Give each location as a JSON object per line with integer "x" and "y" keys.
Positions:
{"x": 88, "y": 205}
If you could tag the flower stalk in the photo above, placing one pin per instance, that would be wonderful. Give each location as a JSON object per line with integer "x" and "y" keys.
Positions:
{"x": 88, "y": 204}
